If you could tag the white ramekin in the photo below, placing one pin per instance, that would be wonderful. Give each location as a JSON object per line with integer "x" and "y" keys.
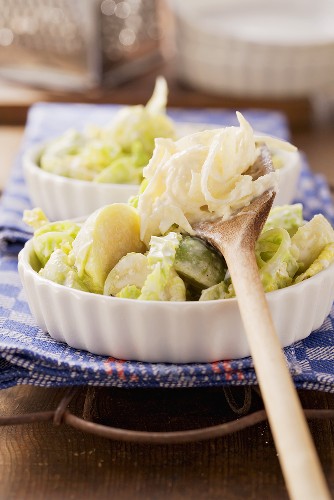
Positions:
{"x": 175, "y": 332}
{"x": 64, "y": 198}
{"x": 288, "y": 177}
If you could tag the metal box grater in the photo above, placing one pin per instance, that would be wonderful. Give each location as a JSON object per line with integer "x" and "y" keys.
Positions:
{"x": 77, "y": 44}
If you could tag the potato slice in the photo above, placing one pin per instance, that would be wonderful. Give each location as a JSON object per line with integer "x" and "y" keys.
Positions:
{"x": 108, "y": 234}
{"x": 132, "y": 269}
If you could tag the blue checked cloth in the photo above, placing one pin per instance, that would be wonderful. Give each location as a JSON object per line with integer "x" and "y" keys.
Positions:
{"x": 29, "y": 356}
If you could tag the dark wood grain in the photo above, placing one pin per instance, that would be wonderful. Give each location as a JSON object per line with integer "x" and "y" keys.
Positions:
{"x": 41, "y": 461}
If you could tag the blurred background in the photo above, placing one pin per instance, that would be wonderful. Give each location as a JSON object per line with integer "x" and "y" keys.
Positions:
{"x": 213, "y": 53}
{"x": 77, "y": 44}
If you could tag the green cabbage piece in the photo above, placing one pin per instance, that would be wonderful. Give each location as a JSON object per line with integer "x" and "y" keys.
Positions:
{"x": 120, "y": 171}
{"x": 35, "y": 218}
{"x": 57, "y": 157}
{"x": 276, "y": 258}
{"x": 310, "y": 239}
{"x": 215, "y": 292}
{"x": 133, "y": 200}
{"x": 160, "y": 258}
{"x": 283, "y": 259}
{"x": 94, "y": 158}
{"x": 129, "y": 292}
{"x": 139, "y": 156}
{"x": 144, "y": 123}
{"x": 324, "y": 260}
{"x": 126, "y": 168}
{"x": 84, "y": 161}
{"x": 59, "y": 269}
{"x": 277, "y": 262}
{"x": 115, "y": 153}
{"x": 175, "y": 288}
{"x": 52, "y": 236}
{"x": 289, "y": 217}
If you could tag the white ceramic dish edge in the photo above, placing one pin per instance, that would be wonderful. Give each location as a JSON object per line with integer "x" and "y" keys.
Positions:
{"x": 64, "y": 198}
{"x": 225, "y": 62}
{"x": 175, "y": 332}
{"x": 288, "y": 178}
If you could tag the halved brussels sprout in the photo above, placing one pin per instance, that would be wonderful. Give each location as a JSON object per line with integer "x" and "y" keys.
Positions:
{"x": 198, "y": 264}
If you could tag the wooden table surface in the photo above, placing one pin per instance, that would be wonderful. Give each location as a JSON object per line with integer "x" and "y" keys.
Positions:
{"x": 43, "y": 461}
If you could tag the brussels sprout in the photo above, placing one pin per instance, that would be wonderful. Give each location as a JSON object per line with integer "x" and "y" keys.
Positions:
{"x": 198, "y": 264}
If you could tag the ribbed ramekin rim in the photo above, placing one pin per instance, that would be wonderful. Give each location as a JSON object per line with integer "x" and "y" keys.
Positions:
{"x": 30, "y": 166}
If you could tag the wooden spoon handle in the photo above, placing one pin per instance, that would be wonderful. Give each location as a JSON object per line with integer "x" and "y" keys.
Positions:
{"x": 296, "y": 451}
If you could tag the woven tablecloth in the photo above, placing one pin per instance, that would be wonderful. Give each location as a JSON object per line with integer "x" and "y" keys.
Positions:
{"x": 30, "y": 356}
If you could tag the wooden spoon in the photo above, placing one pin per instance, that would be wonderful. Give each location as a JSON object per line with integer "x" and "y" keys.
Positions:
{"x": 235, "y": 238}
